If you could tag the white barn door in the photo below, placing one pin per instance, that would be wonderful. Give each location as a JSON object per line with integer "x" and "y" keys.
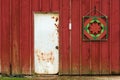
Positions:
{"x": 46, "y": 43}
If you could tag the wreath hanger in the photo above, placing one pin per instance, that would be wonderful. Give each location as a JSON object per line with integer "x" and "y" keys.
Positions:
{"x": 95, "y": 10}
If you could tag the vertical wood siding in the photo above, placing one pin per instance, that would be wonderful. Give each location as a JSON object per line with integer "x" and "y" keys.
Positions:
{"x": 85, "y": 50}
{"x": 25, "y": 36}
{"x": 94, "y": 46}
{"x": 0, "y": 35}
{"x": 75, "y": 37}
{"x": 104, "y": 46}
{"x": 5, "y": 36}
{"x": 76, "y": 56}
{"x": 15, "y": 36}
{"x": 64, "y": 22}
{"x": 115, "y": 63}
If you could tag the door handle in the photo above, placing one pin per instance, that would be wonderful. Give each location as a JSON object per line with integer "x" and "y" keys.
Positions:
{"x": 56, "y": 47}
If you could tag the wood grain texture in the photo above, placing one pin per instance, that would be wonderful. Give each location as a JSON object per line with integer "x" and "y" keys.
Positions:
{"x": 5, "y": 30}
{"x": 85, "y": 54}
{"x": 64, "y": 21}
{"x": 55, "y": 5}
{"x": 25, "y": 36}
{"x": 35, "y": 7}
{"x": 15, "y": 36}
{"x": 95, "y": 46}
{"x": 77, "y": 56}
{"x": 105, "y": 68}
{"x": 75, "y": 36}
{"x": 45, "y": 5}
{"x": 115, "y": 63}
{"x": 0, "y": 34}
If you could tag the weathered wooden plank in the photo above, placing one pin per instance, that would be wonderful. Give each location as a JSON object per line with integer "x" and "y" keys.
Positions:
{"x": 85, "y": 47}
{"x": 60, "y": 38}
{"x": 104, "y": 51}
{"x": 45, "y": 5}
{"x": 64, "y": 20}
{"x": 35, "y": 7}
{"x": 80, "y": 13}
{"x": 75, "y": 37}
{"x": 0, "y": 34}
{"x": 95, "y": 56}
{"x": 55, "y": 5}
{"x": 95, "y": 46}
{"x": 25, "y": 36}
{"x": 15, "y": 37}
{"x": 114, "y": 39}
{"x": 5, "y": 30}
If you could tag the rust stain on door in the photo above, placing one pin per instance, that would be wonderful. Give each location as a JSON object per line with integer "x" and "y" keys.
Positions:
{"x": 46, "y": 54}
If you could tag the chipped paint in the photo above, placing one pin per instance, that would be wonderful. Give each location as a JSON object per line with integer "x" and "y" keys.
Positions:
{"x": 46, "y": 43}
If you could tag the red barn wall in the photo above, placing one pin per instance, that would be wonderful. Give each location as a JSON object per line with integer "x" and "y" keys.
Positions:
{"x": 76, "y": 55}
